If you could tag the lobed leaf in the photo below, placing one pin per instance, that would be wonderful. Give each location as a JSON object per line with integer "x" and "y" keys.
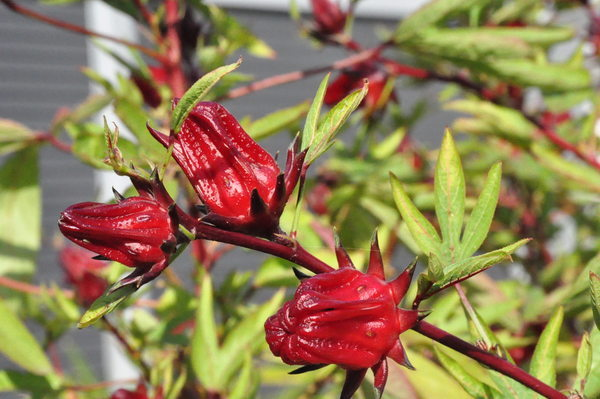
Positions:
{"x": 480, "y": 220}
{"x": 197, "y": 92}
{"x": 420, "y": 228}
{"x": 449, "y": 191}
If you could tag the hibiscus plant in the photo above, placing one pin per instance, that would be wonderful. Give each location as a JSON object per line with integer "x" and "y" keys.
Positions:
{"x": 331, "y": 310}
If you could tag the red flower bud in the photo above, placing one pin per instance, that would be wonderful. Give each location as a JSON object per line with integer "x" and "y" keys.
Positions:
{"x": 329, "y": 18}
{"x": 238, "y": 181}
{"x": 148, "y": 90}
{"x": 137, "y": 232}
{"x": 81, "y": 271}
{"x": 344, "y": 317}
{"x": 353, "y": 79}
{"x": 139, "y": 393}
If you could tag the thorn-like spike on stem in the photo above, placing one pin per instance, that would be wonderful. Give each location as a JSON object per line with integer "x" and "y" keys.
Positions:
{"x": 352, "y": 382}
{"x": 398, "y": 354}
{"x": 307, "y": 368}
{"x": 375, "y": 261}
{"x": 118, "y": 196}
{"x": 299, "y": 275}
{"x": 380, "y": 372}
{"x": 342, "y": 256}
{"x": 257, "y": 204}
{"x": 400, "y": 284}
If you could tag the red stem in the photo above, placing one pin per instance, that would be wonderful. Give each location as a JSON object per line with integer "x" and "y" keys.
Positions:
{"x": 494, "y": 362}
{"x": 172, "y": 61}
{"x": 60, "y": 145}
{"x": 563, "y": 144}
{"x": 75, "y": 28}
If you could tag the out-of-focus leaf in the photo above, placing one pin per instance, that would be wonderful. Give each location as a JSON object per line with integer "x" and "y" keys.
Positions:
{"x": 205, "y": 347}
{"x": 582, "y": 282}
{"x": 20, "y": 212}
{"x": 11, "y": 380}
{"x": 466, "y": 268}
{"x": 275, "y": 272}
{"x": 332, "y": 122}
{"x": 13, "y": 136}
{"x": 513, "y": 11}
{"x": 88, "y": 108}
{"x": 246, "y": 384}
{"x": 197, "y": 92}
{"x": 105, "y": 304}
{"x": 543, "y": 362}
{"x": 473, "y": 386}
{"x": 431, "y": 13}
{"x": 550, "y": 77}
{"x": 449, "y": 190}
{"x": 474, "y": 44}
{"x": 420, "y": 228}
{"x": 389, "y": 145}
{"x": 20, "y": 346}
{"x": 514, "y": 127}
{"x": 586, "y": 176}
{"x": 592, "y": 385}
{"x": 584, "y": 360}
{"x": 595, "y": 293}
{"x": 276, "y": 121}
{"x": 480, "y": 219}
{"x": 533, "y": 35}
{"x": 312, "y": 119}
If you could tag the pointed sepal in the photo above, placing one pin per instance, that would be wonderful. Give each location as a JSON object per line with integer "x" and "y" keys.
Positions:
{"x": 299, "y": 275}
{"x": 307, "y": 368}
{"x": 340, "y": 253}
{"x": 400, "y": 284}
{"x": 118, "y": 196}
{"x": 257, "y": 205}
{"x": 352, "y": 382}
{"x": 380, "y": 373}
{"x": 398, "y": 354}
{"x": 375, "y": 260}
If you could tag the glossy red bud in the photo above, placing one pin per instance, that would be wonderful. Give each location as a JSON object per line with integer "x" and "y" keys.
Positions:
{"x": 238, "y": 181}
{"x": 329, "y": 18}
{"x": 137, "y": 232}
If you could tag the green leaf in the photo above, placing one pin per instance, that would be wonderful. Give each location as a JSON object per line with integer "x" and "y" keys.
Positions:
{"x": 205, "y": 347}
{"x": 197, "y": 92}
{"x": 312, "y": 119}
{"x": 463, "y": 269}
{"x": 595, "y": 293}
{"x": 584, "y": 359}
{"x": 543, "y": 362}
{"x": 550, "y": 77}
{"x": 592, "y": 385}
{"x": 276, "y": 121}
{"x": 533, "y": 35}
{"x": 472, "y": 44}
{"x": 481, "y": 217}
{"x": 245, "y": 337}
{"x": 473, "y": 386}
{"x": 431, "y": 13}
{"x": 275, "y": 272}
{"x": 105, "y": 304}
{"x": 586, "y": 176}
{"x": 20, "y": 212}
{"x": 20, "y": 346}
{"x": 449, "y": 191}
{"x": 420, "y": 228}
{"x": 246, "y": 385}
{"x": 14, "y": 136}
{"x": 435, "y": 269}
{"x": 333, "y": 121}
{"x": 11, "y": 381}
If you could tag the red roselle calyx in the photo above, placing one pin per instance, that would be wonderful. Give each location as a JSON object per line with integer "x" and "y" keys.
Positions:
{"x": 345, "y": 317}
{"x": 82, "y": 272}
{"x": 329, "y": 18}
{"x": 138, "y": 232}
{"x": 238, "y": 181}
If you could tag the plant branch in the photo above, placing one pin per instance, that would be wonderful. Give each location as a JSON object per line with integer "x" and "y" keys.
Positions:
{"x": 54, "y": 141}
{"x": 302, "y": 74}
{"x": 135, "y": 354}
{"x": 492, "y": 361}
{"x": 10, "y": 4}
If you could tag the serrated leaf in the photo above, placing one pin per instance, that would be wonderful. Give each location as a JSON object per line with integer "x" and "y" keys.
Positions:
{"x": 20, "y": 346}
{"x": 205, "y": 347}
{"x": 463, "y": 269}
{"x": 595, "y": 293}
{"x": 332, "y": 122}
{"x": 449, "y": 191}
{"x": 481, "y": 217}
{"x": 477, "y": 389}
{"x": 20, "y": 212}
{"x": 276, "y": 121}
{"x": 314, "y": 112}
{"x": 543, "y": 362}
{"x": 431, "y": 13}
{"x": 435, "y": 269}
{"x": 420, "y": 228}
{"x": 105, "y": 304}
{"x": 197, "y": 92}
